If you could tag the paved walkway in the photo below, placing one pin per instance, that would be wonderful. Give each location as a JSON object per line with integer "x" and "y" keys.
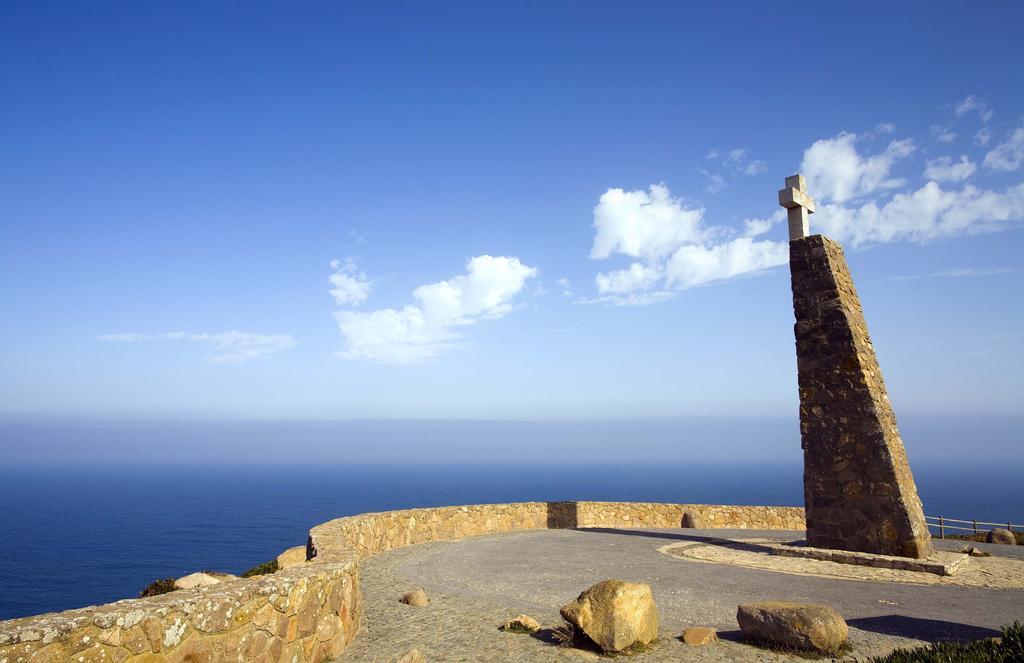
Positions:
{"x": 477, "y": 583}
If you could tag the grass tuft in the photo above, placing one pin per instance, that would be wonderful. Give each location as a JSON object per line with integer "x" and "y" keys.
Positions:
{"x": 261, "y": 569}
{"x": 158, "y": 587}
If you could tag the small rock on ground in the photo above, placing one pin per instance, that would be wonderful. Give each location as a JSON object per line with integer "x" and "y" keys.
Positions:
{"x": 416, "y": 598}
{"x": 696, "y": 636}
{"x": 523, "y": 623}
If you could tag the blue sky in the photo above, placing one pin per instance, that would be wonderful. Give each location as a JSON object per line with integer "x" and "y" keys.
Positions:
{"x": 473, "y": 211}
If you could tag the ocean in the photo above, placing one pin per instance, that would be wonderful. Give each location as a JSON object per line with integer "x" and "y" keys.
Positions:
{"x": 79, "y": 535}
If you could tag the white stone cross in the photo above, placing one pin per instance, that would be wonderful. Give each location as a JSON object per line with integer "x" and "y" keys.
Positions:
{"x": 798, "y": 206}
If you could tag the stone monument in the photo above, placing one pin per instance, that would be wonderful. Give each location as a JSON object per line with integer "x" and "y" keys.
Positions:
{"x": 859, "y": 492}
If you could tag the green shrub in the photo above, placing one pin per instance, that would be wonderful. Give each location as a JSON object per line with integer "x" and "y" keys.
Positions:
{"x": 158, "y": 587}
{"x": 261, "y": 569}
{"x": 1008, "y": 649}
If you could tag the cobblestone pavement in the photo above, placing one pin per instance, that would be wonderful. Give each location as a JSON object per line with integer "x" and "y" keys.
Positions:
{"x": 476, "y": 584}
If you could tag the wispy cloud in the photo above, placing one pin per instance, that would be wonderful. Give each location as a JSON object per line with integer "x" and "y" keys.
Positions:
{"x": 231, "y": 347}
{"x": 421, "y": 331}
{"x": 1009, "y": 155}
{"x": 973, "y": 104}
{"x": 349, "y": 284}
{"x": 963, "y": 272}
{"x": 945, "y": 169}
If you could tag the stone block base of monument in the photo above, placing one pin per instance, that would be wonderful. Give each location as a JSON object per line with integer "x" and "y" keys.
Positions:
{"x": 939, "y": 563}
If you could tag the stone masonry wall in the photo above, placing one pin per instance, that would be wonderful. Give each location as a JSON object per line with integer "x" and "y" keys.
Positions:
{"x": 373, "y": 533}
{"x": 306, "y": 613}
{"x": 858, "y": 489}
{"x": 309, "y": 613}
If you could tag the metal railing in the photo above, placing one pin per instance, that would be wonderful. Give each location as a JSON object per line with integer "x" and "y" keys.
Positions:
{"x": 943, "y": 524}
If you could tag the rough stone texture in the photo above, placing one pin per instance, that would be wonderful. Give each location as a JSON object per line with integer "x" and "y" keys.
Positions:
{"x": 696, "y": 636}
{"x": 311, "y": 612}
{"x": 615, "y": 614}
{"x": 858, "y": 489}
{"x": 306, "y": 614}
{"x": 522, "y": 623}
{"x": 797, "y": 625}
{"x": 292, "y": 557}
{"x": 417, "y": 598}
{"x": 1000, "y": 535}
{"x": 373, "y": 533}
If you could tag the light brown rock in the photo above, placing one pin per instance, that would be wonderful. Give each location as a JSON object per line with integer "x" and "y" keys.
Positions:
{"x": 411, "y": 656}
{"x": 291, "y": 557}
{"x": 699, "y": 635}
{"x": 200, "y": 579}
{"x": 416, "y": 598}
{"x": 615, "y": 614}
{"x": 522, "y": 624}
{"x": 798, "y": 625}
{"x": 1000, "y": 535}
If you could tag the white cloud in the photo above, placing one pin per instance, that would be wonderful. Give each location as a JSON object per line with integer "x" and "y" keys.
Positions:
{"x": 836, "y": 171}
{"x": 963, "y": 272}
{"x": 983, "y": 136}
{"x": 647, "y": 224}
{"x": 422, "y": 331}
{"x": 566, "y": 287}
{"x": 232, "y": 346}
{"x": 926, "y": 214}
{"x": 885, "y": 128}
{"x": 1008, "y": 156}
{"x": 755, "y": 167}
{"x": 349, "y": 285}
{"x": 716, "y": 182}
{"x": 672, "y": 248}
{"x": 944, "y": 169}
{"x": 943, "y": 134}
{"x": 972, "y": 103}
{"x": 755, "y": 227}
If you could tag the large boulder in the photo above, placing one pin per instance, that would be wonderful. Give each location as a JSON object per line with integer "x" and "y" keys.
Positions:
{"x": 292, "y": 557}
{"x": 201, "y": 579}
{"x": 615, "y": 614}
{"x": 1000, "y": 535}
{"x": 797, "y": 625}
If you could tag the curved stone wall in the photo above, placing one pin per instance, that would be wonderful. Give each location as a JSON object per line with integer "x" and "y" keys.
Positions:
{"x": 372, "y": 533}
{"x": 309, "y": 613}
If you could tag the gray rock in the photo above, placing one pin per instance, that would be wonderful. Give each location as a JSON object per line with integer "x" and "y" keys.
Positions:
{"x": 1000, "y": 535}
{"x": 797, "y": 625}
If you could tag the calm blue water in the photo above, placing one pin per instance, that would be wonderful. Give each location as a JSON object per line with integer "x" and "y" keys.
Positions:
{"x": 78, "y": 536}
